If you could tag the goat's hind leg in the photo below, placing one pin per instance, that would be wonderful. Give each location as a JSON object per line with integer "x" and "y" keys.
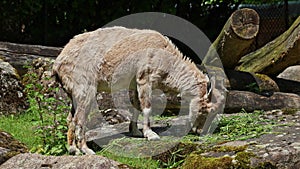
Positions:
{"x": 71, "y": 133}
{"x": 84, "y": 105}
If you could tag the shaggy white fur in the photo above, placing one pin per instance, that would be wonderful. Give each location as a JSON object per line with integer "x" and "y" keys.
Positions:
{"x": 109, "y": 57}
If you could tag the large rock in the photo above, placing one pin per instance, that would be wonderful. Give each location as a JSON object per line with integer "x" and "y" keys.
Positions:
{"x": 291, "y": 73}
{"x": 279, "y": 149}
{"x": 12, "y": 98}
{"x": 9, "y": 147}
{"x": 37, "y": 161}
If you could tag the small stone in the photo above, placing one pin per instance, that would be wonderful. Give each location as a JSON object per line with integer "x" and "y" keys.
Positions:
{"x": 252, "y": 143}
{"x": 285, "y": 152}
{"x": 265, "y": 155}
{"x": 281, "y": 135}
{"x": 262, "y": 145}
{"x": 296, "y": 145}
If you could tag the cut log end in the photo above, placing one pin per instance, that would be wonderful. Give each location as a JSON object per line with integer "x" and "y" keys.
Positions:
{"x": 245, "y": 23}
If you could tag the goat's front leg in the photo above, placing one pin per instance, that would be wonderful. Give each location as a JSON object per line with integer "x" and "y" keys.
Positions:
{"x": 144, "y": 92}
{"x": 133, "y": 127}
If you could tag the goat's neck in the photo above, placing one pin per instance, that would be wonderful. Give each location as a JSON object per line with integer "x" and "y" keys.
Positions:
{"x": 188, "y": 80}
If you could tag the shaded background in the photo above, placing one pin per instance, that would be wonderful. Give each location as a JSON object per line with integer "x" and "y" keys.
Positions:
{"x": 54, "y": 22}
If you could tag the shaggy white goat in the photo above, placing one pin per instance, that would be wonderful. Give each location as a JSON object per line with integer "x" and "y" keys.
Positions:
{"x": 109, "y": 56}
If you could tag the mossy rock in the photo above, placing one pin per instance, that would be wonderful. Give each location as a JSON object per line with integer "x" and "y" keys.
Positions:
{"x": 225, "y": 157}
{"x": 12, "y": 97}
{"x": 198, "y": 161}
{"x": 9, "y": 146}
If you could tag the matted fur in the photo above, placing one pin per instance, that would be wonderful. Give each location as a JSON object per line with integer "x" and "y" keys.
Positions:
{"x": 99, "y": 59}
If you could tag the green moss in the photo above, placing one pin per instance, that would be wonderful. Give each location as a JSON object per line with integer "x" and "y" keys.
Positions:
{"x": 289, "y": 111}
{"x": 243, "y": 159}
{"x": 197, "y": 161}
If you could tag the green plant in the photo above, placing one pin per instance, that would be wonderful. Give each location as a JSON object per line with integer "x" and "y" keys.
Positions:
{"x": 253, "y": 87}
{"x": 240, "y": 127}
{"x": 51, "y": 124}
{"x": 245, "y": 126}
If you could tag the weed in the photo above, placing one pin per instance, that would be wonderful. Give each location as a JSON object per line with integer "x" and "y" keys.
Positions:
{"x": 240, "y": 127}
{"x": 51, "y": 124}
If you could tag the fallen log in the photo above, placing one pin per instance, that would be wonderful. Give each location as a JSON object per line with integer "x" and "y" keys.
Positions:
{"x": 235, "y": 39}
{"x": 275, "y": 56}
{"x": 18, "y": 55}
{"x": 288, "y": 86}
{"x": 246, "y": 81}
{"x": 30, "y": 49}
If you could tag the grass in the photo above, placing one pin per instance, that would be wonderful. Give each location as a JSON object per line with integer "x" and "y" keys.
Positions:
{"x": 235, "y": 127}
{"x": 241, "y": 127}
{"x": 22, "y": 128}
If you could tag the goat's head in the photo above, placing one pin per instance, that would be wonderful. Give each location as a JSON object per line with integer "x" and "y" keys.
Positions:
{"x": 204, "y": 110}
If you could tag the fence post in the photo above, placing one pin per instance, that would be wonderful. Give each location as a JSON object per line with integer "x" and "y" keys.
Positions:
{"x": 286, "y": 7}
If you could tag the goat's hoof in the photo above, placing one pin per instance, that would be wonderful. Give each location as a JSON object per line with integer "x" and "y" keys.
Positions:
{"x": 151, "y": 135}
{"x": 87, "y": 151}
{"x": 73, "y": 150}
{"x": 136, "y": 133}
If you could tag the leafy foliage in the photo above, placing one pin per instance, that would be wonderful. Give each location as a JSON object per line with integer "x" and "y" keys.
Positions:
{"x": 51, "y": 126}
{"x": 55, "y": 22}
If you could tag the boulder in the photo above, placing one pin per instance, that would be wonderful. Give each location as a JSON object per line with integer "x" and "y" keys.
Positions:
{"x": 37, "y": 161}
{"x": 291, "y": 73}
{"x": 9, "y": 147}
{"x": 278, "y": 149}
{"x": 12, "y": 98}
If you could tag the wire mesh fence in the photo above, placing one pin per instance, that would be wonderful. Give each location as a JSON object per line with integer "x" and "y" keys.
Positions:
{"x": 275, "y": 18}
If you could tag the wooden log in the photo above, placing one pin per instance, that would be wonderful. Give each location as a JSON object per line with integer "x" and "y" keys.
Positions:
{"x": 254, "y": 82}
{"x": 18, "y": 55}
{"x": 235, "y": 39}
{"x": 237, "y": 100}
{"x": 261, "y": 84}
{"x": 275, "y": 56}
{"x": 30, "y": 49}
{"x": 288, "y": 86}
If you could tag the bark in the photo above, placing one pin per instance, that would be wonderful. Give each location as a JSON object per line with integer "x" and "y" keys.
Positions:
{"x": 237, "y": 100}
{"x": 251, "y": 82}
{"x": 254, "y": 82}
{"x": 235, "y": 39}
{"x": 30, "y": 49}
{"x": 20, "y": 54}
{"x": 275, "y": 56}
{"x": 288, "y": 86}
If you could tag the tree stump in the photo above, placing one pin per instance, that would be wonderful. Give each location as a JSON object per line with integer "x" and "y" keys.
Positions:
{"x": 235, "y": 39}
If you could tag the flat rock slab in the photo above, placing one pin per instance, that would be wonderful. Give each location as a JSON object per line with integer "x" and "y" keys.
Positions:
{"x": 37, "y": 161}
{"x": 281, "y": 149}
{"x": 168, "y": 127}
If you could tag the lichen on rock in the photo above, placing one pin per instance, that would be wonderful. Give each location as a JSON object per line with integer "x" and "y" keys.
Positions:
{"x": 12, "y": 97}
{"x": 9, "y": 146}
